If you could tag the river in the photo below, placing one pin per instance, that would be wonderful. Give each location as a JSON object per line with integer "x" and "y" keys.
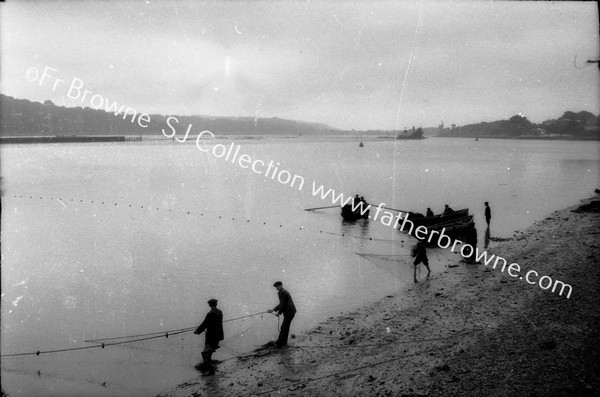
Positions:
{"x": 115, "y": 239}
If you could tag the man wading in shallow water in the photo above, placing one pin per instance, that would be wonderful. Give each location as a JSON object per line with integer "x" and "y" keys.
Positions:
{"x": 488, "y": 213}
{"x": 420, "y": 253}
{"x": 213, "y": 324}
{"x": 287, "y": 308}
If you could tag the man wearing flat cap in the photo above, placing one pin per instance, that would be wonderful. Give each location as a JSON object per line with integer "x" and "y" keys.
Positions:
{"x": 287, "y": 308}
{"x": 213, "y": 325}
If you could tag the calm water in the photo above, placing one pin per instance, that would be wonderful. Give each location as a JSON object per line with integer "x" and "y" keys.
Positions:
{"x": 104, "y": 240}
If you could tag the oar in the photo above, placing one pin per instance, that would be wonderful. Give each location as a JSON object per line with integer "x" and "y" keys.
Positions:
{"x": 322, "y": 208}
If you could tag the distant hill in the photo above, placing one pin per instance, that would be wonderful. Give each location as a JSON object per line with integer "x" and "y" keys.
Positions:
{"x": 577, "y": 125}
{"x": 24, "y": 118}
{"x": 21, "y": 117}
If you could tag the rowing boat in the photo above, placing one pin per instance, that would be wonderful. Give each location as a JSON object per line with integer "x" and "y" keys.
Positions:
{"x": 350, "y": 215}
{"x": 436, "y": 219}
{"x": 452, "y": 228}
{"x": 452, "y": 223}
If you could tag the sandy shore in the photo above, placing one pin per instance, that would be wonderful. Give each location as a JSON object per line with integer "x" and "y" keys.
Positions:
{"x": 469, "y": 331}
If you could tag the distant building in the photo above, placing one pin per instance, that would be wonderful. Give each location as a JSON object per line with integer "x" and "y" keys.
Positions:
{"x": 537, "y": 131}
{"x": 592, "y": 129}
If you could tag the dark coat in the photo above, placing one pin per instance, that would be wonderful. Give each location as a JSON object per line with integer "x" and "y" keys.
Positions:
{"x": 488, "y": 213}
{"x": 213, "y": 324}
{"x": 286, "y": 304}
{"x": 419, "y": 252}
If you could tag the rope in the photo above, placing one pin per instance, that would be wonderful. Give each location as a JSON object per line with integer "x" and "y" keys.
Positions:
{"x": 311, "y": 380}
{"x": 138, "y": 338}
{"x": 267, "y": 351}
{"x": 381, "y": 256}
{"x": 120, "y": 204}
{"x": 466, "y": 332}
{"x": 358, "y": 237}
{"x": 170, "y": 332}
{"x": 103, "y": 345}
{"x": 158, "y": 333}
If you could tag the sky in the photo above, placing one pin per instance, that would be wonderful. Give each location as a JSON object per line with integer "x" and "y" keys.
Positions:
{"x": 350, "y": 64}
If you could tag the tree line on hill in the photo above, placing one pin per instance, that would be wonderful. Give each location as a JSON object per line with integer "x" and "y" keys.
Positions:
{"x": 582, "y": 124}
{"x": 21, "y": 117}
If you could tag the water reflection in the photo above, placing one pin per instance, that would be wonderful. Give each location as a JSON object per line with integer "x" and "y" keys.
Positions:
{"x": 357, "y": 228}
{"x": 363, "y": 228}
{"x": 486, "y": 239}
{"x": 470, "y": 237}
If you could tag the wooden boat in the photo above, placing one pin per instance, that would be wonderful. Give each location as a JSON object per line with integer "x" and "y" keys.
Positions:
{"x": 433, "y": 220}
{"x": 453, "y": 224}
{"x": 350, "y": 215}
{"x": 454, "y": 228}
{"x": 460, "y": 230}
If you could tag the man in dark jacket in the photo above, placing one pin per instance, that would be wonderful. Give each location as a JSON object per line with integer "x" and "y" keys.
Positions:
{"x": 488, "y": 213}
{"x": 287, "y": 308}
{"x": 213, "y": 325}
{"x": 419, "y": 252}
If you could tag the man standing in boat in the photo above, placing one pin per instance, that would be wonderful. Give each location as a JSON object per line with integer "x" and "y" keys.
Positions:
{"x": 288, "y": 309}
{"x": 448, "y": 210}
{"x": 364, "y": 207}
{"x": 429, "y": 213}
{"x": 213, "y": 325}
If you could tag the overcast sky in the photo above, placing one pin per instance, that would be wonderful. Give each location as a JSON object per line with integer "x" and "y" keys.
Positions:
{"x": 351, "y": 64}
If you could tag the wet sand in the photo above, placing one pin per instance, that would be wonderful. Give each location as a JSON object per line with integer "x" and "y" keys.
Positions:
{"x": 468, "y": 331}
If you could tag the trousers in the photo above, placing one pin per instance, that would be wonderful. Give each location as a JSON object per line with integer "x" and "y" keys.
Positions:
{"x": 207, "y": 353}
{"x": 284, "y": 331}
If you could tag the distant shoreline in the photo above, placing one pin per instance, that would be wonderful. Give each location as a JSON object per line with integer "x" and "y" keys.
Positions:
{"x": 68, "y": 139}
{"x": 141, "y": 138}
{"x": 535, "y": 138}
